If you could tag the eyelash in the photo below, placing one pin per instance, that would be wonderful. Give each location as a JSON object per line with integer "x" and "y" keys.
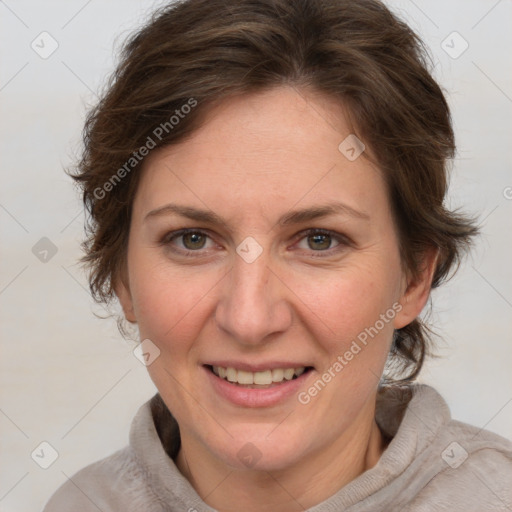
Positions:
{"x": 342, "y": 240}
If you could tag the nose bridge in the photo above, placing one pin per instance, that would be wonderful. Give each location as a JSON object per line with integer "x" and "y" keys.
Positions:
{"x": 253, "y": 304}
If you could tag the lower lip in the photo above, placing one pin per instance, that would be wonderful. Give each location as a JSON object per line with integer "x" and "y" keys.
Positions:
{"x": 253, "y": 397}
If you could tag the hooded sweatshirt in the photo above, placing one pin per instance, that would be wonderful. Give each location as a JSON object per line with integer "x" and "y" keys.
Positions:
{"x": 432, "y": 463}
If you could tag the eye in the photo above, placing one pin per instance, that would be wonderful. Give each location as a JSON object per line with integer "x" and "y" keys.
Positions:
{"x": 319, "y": 240}
{"x": 187, "y": 241}
{"x": 194, "y": 240}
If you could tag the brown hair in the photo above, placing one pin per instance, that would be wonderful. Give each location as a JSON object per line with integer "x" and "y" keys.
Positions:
{"x": 196, "y": 52}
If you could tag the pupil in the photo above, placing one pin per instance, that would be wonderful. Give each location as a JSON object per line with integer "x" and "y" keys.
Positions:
{"x": 322, "y": 242}
{"x": 194, "y": 240}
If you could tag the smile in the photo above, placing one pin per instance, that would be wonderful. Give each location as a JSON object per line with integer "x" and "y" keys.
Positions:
{"x": 261, "y": 388}
{"x": 265, "y": 378}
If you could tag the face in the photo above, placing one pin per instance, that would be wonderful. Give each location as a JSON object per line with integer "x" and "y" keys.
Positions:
{"x": 260, "y": 254}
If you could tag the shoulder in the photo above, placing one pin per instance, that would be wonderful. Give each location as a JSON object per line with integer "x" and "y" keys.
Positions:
{"x": 437, "y": 460}
{"x": 127, "y": 480}
{"x": 471, "y": 471}
{"x": 113, "y": 483}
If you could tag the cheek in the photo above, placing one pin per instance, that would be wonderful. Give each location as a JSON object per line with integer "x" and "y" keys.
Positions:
{"x": 169, "y": 304}
{"x": 345, "y": 303}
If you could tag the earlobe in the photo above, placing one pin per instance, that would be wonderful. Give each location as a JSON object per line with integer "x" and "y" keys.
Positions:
{"x": 122, "y": 291}
{"x": 417, "y": 290}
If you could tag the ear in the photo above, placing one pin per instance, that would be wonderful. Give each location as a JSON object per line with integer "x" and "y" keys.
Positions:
{"x": 122, "y": 290}
{"x": 417, "y": 290}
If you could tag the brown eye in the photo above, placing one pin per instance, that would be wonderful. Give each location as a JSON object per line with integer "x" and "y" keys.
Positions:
{"x": 188, "y": 242}
{"x": 319, "y": 241}
{"x": 322, "y": 241}
{"x": 194, "y": 240}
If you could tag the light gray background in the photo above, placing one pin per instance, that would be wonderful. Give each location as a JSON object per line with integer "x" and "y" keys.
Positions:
{"x": 67, "y": 377}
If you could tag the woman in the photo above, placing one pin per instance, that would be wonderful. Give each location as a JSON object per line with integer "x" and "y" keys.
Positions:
{"x": 265, "y": 182}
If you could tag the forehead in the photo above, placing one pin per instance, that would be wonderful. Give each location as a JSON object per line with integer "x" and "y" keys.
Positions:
{"x": 263, "y": 153}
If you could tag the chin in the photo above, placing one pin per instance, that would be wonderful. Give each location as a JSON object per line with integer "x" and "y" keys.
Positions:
{"x": 261, "y": 449}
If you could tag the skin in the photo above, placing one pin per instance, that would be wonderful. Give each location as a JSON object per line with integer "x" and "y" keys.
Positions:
{"x": 253, "y": 160}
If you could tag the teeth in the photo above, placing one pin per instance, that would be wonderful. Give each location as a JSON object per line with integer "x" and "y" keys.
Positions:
{"x": 288, "y": 373}
{"x": 277, "y": 375}
{"x": 263, "y": 378}
{"x": 300, "y": 371}
{"x": 231, "y": 374}
{"x": 245, "y": 377}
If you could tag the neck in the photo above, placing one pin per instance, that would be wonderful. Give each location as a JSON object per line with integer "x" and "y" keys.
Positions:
{"x": 300, "y": 486}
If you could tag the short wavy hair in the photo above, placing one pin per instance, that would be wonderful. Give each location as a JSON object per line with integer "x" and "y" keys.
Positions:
{"x": 199, "y": 52}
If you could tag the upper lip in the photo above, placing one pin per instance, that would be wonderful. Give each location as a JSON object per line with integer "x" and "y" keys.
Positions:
{"x": 256, "y": 367}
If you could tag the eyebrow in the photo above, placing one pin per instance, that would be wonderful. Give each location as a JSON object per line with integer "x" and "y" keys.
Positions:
{"x": 290, "y": 218}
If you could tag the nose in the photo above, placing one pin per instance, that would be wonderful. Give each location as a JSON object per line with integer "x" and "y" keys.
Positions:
{"x": 253, "y": 305}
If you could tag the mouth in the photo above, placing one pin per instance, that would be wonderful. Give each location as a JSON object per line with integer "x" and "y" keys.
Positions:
{"x": 263, "y": 379}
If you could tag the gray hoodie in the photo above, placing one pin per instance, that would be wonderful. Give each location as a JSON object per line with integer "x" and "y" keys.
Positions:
{"x": 433, "y": 463}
